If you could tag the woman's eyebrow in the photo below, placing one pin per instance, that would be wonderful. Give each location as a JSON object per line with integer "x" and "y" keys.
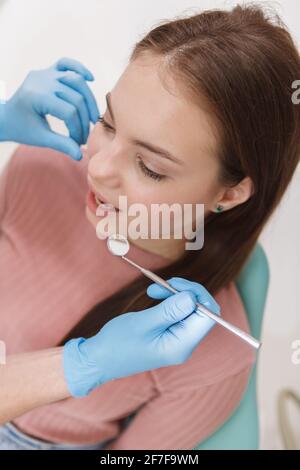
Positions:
{"x": 152, "y": 148}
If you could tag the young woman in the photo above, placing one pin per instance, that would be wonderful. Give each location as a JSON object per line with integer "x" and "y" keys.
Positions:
{"x": 214, "y": 91}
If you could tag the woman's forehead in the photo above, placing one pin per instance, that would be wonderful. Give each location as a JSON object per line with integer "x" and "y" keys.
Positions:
{"x": 148, "y": 110}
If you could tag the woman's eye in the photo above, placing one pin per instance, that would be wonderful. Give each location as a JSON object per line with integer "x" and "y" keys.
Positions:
{"x": 104, "y": 123}
{"x": 144, "y": 168}
{"x": 148, "y": 172}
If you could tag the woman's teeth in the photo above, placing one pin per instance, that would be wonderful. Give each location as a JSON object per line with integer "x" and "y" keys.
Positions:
{"x": 104, "y": 206}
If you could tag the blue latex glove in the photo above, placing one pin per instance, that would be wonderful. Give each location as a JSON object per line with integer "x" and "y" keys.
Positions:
{"x": 134, "y": 342}
{"x": 60, "y": 90}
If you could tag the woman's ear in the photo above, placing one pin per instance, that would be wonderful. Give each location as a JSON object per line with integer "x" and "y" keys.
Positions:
{"x": 235, "y": 195}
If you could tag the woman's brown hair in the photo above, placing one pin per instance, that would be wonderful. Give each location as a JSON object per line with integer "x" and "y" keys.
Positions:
{"x": 243, "y": 63}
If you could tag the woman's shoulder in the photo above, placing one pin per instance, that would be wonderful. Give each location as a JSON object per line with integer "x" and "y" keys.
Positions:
{"x": 44, "y": 165}
{"x": 219, "y": 355}
{"x": 43, "y": 178}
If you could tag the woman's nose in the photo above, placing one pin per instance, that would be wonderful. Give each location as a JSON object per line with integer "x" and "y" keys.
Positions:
{"x": 107, "y": 164}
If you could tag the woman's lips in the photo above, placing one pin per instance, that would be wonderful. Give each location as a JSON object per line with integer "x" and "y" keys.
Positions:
{"x": 101, "y": 199}
{"x": 99, "y": 209}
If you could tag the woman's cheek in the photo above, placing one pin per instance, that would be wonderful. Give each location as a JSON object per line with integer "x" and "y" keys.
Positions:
{"x": 92, "y": 143}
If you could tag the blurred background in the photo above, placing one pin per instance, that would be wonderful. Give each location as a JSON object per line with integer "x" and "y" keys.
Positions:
{"x": 101, "y": 34}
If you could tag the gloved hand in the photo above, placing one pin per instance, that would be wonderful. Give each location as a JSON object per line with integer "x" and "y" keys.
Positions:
{"x": 134, "y": 342}
{"x": 59, "y": 90}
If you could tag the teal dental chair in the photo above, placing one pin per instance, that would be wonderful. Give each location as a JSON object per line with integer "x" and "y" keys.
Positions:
{"x": 241, "y": 430}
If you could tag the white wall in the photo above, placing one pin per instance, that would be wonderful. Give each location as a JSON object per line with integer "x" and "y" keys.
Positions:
{"x": 35, "y": 33}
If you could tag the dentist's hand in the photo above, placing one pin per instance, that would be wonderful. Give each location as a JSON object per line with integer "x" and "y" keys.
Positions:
{"x": 134, "y": 342}
{"x": 60, "y": 90}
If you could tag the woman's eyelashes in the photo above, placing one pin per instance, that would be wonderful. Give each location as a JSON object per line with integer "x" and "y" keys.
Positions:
{"x": 146, "y": 171}
{"x": 104, "y": 123}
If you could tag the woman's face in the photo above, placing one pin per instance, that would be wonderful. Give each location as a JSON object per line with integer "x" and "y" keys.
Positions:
{"x": 142, "y": 110}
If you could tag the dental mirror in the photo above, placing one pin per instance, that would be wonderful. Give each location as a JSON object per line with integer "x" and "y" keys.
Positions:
{"x": 118, "y": 245}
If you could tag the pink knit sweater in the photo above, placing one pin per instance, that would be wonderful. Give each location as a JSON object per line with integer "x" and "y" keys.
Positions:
{"x": 54, "y": 270}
